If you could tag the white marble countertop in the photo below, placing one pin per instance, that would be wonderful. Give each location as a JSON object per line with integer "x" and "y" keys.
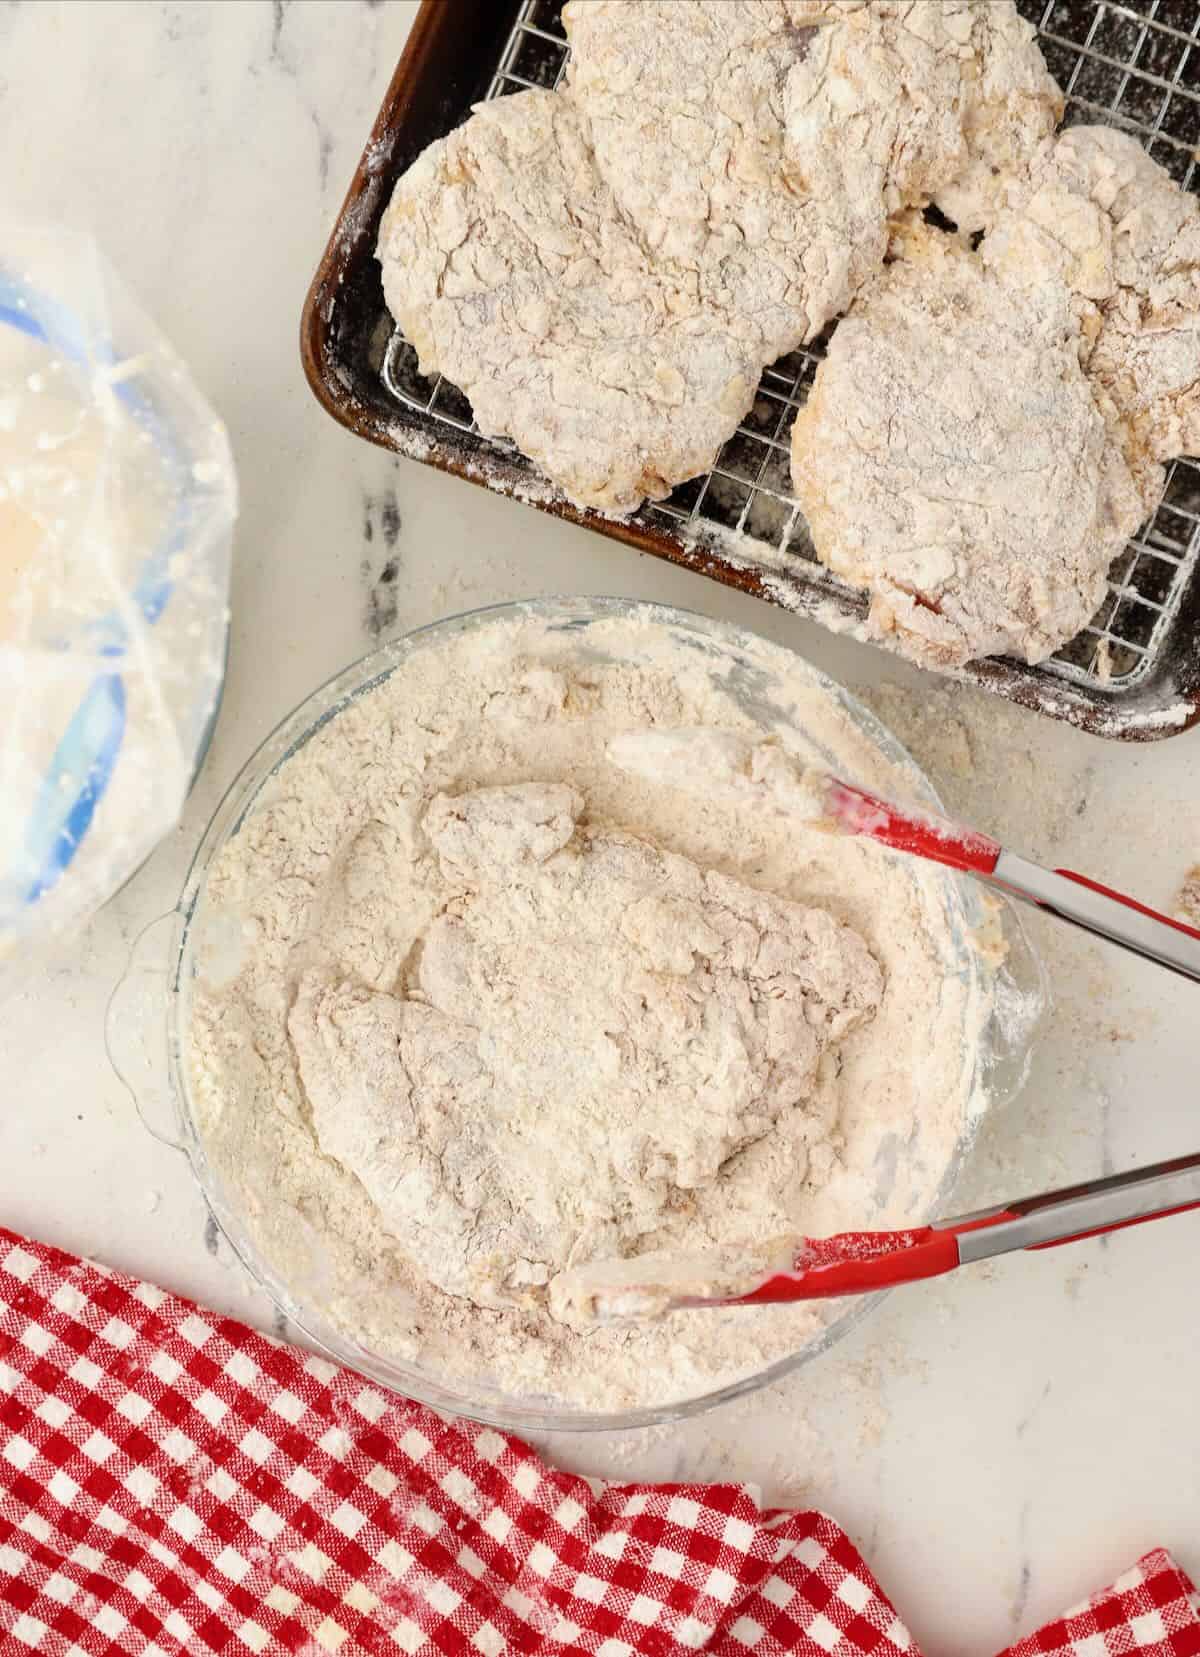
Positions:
{"x": 998, "y": 1445}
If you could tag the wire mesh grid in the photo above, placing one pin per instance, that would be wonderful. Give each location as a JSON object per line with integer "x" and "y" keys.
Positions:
{"x": 1134, "y": 65}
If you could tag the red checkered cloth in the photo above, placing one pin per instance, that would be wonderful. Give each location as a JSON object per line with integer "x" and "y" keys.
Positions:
{"x": 172, "y": 1482}
{"x": 1151, "y": 1611}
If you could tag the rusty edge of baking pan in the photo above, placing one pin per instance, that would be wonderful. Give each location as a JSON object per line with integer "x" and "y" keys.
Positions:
{"x": 450, "y": 60}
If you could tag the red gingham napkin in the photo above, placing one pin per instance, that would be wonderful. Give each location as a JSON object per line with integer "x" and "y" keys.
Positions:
{"x": 1151, "y": 1609}
{"x": 172, "y": 1482}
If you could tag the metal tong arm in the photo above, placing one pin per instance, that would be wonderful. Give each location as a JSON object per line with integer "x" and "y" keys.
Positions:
{"x": 1099, "y": 910}
{"x": 1078, "y": 1210}
{"x": 1072, "y": 897}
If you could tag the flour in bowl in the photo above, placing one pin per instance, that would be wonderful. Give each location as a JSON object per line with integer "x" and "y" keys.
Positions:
{"x": 499, "y": 1007}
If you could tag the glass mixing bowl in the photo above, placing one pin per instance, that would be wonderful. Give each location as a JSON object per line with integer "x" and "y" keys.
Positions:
{"x": 149, "y": 1016}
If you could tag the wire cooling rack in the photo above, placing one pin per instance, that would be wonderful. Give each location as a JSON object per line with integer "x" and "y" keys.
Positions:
{"x": 1134, "y": 65}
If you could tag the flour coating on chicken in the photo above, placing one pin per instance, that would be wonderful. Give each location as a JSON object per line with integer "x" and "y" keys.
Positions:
{"x": 1125, "y": 239}
{"x": 594, "y": 1028}
{"x": 509, "y": 268}
{"x": 686, "y": 105}
{"x": 901, "y": 102}
{"x": 606, "y": 271}
{"x": 953, "y": 460}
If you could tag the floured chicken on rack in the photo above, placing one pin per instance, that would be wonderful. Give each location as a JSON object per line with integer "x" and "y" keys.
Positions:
{"x": 508, "y": 266}
{"x": 605, "y": 307}
{"x": 953, "y": 459}
{"x": 898, "y": 105}
{"x": 685, "y": 105}
{"x": 1126, "y": 241}
{"x": 605, "y": 272}
{"x": 988, "y": 428}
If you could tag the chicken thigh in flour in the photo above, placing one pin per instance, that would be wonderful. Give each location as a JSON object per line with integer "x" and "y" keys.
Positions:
{"x": 596, "y": 1026}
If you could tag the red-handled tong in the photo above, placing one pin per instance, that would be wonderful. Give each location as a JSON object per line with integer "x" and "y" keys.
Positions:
{"x": 856, "y": 1262}
{"x": 715, "y": 761}
{"x": 1072, "y": 897}
{"x": 860, "y": 1262}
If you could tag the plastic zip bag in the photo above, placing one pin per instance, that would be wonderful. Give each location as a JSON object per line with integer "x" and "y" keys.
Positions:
{"x": 117, "y": 501}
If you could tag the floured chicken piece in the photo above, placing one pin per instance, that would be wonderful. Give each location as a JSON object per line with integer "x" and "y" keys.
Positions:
{"x": 606, "y": 272}
{"x": 1010, "y": 101}
{"x": 953, "y": 460}
{"x": 897, "y": 104}
{"x": 509, "y": 268}
{"x": 686, "y": 106}
{"x": 585, "y": 1004}
{"x": 1125, "y": 239}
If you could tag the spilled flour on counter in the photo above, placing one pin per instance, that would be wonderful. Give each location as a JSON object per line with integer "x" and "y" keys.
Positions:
{"x": 1187, "y": 900}
{"x": 476, "y": 1005}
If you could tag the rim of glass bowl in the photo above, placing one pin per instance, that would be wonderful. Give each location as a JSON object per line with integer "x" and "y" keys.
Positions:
{"x": 475, "y": 1399}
